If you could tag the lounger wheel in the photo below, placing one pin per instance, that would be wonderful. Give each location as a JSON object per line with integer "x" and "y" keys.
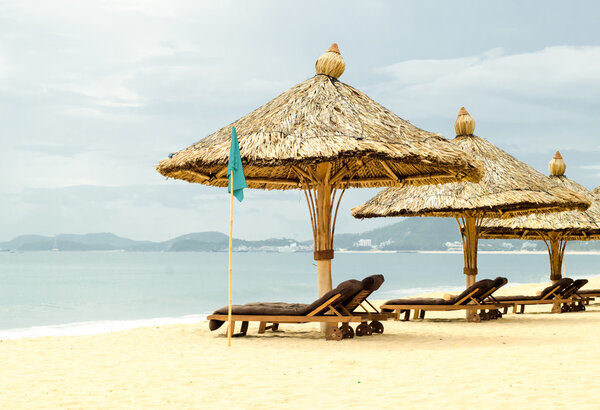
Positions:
{"x": 498, "y": 314}
{"x": 364, "y": 330}
{"x": 333, "y": 333}
{"x": 581, "y": 308}
{"x": 376, "y": 326}
{"x": 565, "y": 308}
{"x": 484, "y": 315}
{"x": 349, "y": 334}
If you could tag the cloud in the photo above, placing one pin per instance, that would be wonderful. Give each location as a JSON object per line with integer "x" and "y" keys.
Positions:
{"x": 538, "y": 96}
{"x": 554, "y": 72}
{"x": 94, "y": 94}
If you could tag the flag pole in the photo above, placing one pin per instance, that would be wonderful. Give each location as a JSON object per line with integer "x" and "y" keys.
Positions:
{"x": 230, "y": 327}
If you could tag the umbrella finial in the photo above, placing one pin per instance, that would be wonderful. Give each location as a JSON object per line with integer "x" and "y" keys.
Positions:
{"x": 557, "y": 166}
{"x": 464, "y": 124}
{"x": 331, "y": 63}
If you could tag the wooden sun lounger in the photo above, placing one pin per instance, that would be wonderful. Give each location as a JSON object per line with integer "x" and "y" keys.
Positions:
{"x": 587, "y": 295}
{"x": 272, "y": 322}
{"x": 473, "y": 298}
{"x": 553, "y": 294}
{"x": 337, "y": 307}
{"x": 578, "y": 300}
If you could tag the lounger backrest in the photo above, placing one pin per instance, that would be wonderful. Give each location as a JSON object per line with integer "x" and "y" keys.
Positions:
{"x": 498, "y": 283}
{"x": 555, "y": 289}
{"x": 573, "y": 288}
{"x": 473, "y": 292}
{"x": 344, "y": 290}
{"x": 369, "y": 285}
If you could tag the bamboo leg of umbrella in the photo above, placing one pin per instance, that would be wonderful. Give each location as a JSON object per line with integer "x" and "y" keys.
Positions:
{"x": 555, "y": 259}
{"x": 470, "y": 233}
{"x": 229, "y": 324}
{"x": 556, "y": 248}
{"x": 562, "y": 257}
{"x": 324, "y": 276}
{"x": 323, "y": 239}
{"x": 323, "y": 248}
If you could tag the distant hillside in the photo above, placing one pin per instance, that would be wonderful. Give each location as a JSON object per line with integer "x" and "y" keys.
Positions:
{"x": 406, "y": 234}
{"x": 195, "y": 242}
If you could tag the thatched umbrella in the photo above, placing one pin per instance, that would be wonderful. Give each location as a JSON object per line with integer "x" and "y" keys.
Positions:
{"x": 508, "y": 187}
{"x": 555, "y": 229}
{"x": 596, "y": 192}
{"x": 323, "y": 136}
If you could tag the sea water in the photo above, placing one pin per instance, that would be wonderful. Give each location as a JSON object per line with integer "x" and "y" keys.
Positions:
{"x": 49, "y": 293}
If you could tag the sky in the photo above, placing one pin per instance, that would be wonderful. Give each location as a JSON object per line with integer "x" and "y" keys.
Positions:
{"x": 94, "y": 94}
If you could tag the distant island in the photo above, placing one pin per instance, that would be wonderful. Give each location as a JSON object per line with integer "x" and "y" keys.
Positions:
{"x": 411, "y": 234}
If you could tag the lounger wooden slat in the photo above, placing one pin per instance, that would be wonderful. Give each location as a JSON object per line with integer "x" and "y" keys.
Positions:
{"x": 324, "y": 305}
{"x": 288, "y": 319}
{"x": 447, "y": 307}
{"x": 556, "y": 302}
{"x": 591, "y": 293}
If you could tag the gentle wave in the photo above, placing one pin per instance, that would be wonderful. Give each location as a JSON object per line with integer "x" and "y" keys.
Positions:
{"x": 420, "y": 291}
{"x": 94, "y": 328}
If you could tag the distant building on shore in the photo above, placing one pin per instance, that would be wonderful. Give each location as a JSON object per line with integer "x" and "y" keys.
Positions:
{"x": 366, "y": 243}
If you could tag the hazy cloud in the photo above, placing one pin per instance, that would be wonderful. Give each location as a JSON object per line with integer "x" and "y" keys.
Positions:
{"x": 93, "y": 94}
{"x": 160, "y": 212}
{"x": 536, "y": 99}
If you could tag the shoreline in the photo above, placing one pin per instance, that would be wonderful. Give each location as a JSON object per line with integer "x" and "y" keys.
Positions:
{"x": 95, "y": 327}
{"x": 90, "y": 328}
{"x": 187, "y": 366}
{"x": 521, "y": 252}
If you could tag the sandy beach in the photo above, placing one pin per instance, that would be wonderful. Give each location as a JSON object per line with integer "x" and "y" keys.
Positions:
{"x": 536, "y": 360}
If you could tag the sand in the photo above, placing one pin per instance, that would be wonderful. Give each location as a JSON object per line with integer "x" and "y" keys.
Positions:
{"x": 536, "y": 360}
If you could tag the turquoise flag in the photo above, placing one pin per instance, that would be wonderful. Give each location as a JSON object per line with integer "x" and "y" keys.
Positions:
{"x": 235, "y": 165}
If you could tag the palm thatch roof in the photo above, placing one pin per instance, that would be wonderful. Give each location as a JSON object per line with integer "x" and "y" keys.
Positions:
{"x": 596, "y": 192}
{"x": 324, "y": 120}
{"x": 509, "y": 187}
{"x": 572, "y": 225}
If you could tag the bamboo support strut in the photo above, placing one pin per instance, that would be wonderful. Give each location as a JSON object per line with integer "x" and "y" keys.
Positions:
{"x": 324, "y": 189}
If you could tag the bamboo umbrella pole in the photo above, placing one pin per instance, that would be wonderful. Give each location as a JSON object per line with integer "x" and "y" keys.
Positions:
{"x": 324, "y": 190}
{"x": 470, "y": 242}
{"x": 556, "y": 251}
{"x": 323, "y": 249}
{"x": 555, "y": 271}
{"x": 470, "y": 239}
{"x": 229, "y": 323}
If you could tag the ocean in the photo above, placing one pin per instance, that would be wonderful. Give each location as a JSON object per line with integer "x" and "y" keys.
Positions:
{"x": 52, "y": 293}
